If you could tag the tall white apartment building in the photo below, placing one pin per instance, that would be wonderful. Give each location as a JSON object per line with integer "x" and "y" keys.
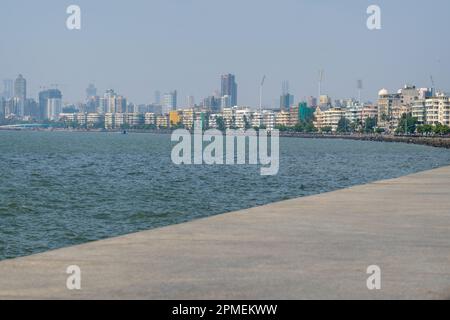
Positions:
{"x": 437, "y": 109}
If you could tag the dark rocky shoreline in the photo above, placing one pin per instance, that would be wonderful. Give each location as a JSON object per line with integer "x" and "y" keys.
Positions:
{"x": 439, "y": 142}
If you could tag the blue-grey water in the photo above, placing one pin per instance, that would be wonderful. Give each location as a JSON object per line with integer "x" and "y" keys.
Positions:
{"x": 61, "y": 188}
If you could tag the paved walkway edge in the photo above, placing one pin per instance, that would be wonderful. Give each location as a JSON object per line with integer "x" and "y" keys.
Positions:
{"x": 316, "y": 247}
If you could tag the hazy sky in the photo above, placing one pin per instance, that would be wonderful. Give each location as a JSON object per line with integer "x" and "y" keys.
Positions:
{"x": 139, "y": 46}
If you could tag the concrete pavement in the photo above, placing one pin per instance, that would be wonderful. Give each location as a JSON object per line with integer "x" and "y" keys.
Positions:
{"x": 317, "y": 247}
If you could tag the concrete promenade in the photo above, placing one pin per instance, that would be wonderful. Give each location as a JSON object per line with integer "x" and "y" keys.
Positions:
{"x": 316, "y": 247}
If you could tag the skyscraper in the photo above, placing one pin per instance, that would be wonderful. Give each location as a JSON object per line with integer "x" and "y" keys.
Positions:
{"x": 312, "y": 102}
{"x": 170, "y": 102}
{"x": 286, "y": 99}
{"x": 212, "y": 103}
{"x": 225, "y": 102}
{"x": 157, "y": 97}
{"x": 91, "y": 91}
{"x": 8, "y": 90}
{"x": 54, "y": 108}
{"x": 31, "y": 109}
{"x": 190, "y": 102}
{"x": 50, "y": 103}
{"x": 113, "y": 103}
{"x": 229, "y": 88}
{"x": 20, "y": 88}
{"x": 2, "y": 108}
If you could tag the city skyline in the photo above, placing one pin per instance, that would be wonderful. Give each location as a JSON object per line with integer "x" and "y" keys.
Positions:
{"x": 287, "y": 42}
{"x": 411, "y": 108}
{"x": 169, "y": 101}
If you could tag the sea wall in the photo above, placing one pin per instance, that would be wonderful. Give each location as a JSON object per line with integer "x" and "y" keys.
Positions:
{"x": 440, "y": 142}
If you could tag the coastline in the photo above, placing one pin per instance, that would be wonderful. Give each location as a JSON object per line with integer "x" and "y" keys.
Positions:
{"x": 438, "y": 142}
{"x": 432, "y": 141}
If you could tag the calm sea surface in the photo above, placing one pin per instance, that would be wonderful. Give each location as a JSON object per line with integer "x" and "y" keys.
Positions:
{"x": 60, "y": 188}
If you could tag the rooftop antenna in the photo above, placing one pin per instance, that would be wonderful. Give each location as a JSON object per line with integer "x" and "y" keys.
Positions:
{"x": 261, "y": 93}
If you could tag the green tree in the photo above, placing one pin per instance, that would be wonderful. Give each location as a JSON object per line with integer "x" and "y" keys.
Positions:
{"x": 441, "y": 129}
{"x": 233, "y": 122}
{"x": 369, "y": 125}
{"x": 99, "y": 125}
{"x": 179, "y": 125}
{"x": 299, "y": 127}
{"x": 282, "y": 128}
{"x": 327, "y": 129}
{"x": 425, "y": 129}
{"x": 344, "y": 125}
{"x": 150, "y": 127}
{"x": 407, "y": 124}
{"x": 247, "y": 123}
{"x": 309, "y": 127}
{"x": 220, "y": 123}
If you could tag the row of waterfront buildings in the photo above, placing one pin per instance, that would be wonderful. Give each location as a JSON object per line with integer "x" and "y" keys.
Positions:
{"x": 113, "y": 111}
{"x": 426, "y": 105}
{"x": 233, "y": 117}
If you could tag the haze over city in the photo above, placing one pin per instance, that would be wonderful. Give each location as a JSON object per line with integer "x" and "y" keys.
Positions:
{"x": 139, "y": 47}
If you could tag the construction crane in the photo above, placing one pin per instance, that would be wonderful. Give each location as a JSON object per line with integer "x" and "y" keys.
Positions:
{"x": 360, "y": 87}
{"x": 433, "y": 85}
{"x": 261, "y": 94}
{"x": 321, "y": 72}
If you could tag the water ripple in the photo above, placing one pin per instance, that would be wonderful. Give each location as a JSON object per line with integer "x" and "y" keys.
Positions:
{"x": 59, "y": 189}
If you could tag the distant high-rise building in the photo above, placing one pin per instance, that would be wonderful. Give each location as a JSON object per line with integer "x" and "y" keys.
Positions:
{"x": 54, "y": 108}
{"x": 102, "y": 105}
{"x": 121, "y": 104}
{"x": 109, "y": 100}
{"x": 8, "y": 88}
{"x": 286, "y": 99}
{"x": 155, "y": 108}
{"x": 306, "y": 113}
{"x": 20, "y": 97}
{"x": 31, "y": 109}
{"x": 157, "y": 97}
{"x": 212, "y": 103}
{"x": 2, "y": 108}
{"x": 324, "y": 101}
{"x": 50, "y": 104}
{"x": 170, "y": 102}
{"x": 190, "y": 102}
{"x": 113, "y": 103}
{"x": 312, "y": 102}
{"x": 91, "y": 91}
{"x": 225, "y": 102}
{"x": 20, "y": 88}
{"x": 93, "y": 105}
{"x": 229, "y": 88}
